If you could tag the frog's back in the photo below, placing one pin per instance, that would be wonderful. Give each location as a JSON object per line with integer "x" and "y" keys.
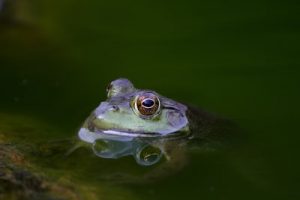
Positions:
{"x": 207, "y": 127}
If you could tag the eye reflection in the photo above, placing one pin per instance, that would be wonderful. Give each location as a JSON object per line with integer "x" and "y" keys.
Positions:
{"x": 146, "y": 151}
{"x": 148, "y": 155}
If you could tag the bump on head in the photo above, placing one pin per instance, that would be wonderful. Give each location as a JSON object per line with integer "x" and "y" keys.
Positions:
{"x": 119, "y": 87}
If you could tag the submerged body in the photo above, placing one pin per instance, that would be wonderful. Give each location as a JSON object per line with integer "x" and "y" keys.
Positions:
{"x": 142, "y": 123}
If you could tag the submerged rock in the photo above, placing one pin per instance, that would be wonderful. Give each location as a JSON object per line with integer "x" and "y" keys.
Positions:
{"x": 34, "y": 165}
{"x": 20, "y": 178}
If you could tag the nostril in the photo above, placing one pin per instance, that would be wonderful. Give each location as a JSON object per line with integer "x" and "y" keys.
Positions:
{"x": 114, "y": 108}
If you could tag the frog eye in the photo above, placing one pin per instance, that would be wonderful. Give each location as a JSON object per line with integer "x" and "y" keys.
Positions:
{"x": 147, "y": 104}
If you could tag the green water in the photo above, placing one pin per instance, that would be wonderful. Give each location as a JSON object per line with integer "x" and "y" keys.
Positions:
{"x": 238, "y": 59}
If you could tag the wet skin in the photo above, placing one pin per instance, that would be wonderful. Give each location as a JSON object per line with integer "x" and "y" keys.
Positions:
{"x": 144, "y": 124}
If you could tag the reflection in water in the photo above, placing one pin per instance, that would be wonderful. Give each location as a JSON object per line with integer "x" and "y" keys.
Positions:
{"x": 146, "y": 151}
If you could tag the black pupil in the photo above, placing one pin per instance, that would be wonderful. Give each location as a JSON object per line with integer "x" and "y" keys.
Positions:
{"x": 148, "y": 103}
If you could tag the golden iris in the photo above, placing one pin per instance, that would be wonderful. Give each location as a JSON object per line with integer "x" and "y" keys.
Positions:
{"x": 147, "y": 104}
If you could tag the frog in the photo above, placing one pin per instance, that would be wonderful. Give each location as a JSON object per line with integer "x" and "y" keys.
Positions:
{"x": 146, "y": 125}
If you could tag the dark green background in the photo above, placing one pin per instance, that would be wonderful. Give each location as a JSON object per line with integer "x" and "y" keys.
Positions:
{"x": 236, "y": 58}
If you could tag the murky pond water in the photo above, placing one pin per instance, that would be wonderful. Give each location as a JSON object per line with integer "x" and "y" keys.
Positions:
{"x": 237, "y": 59}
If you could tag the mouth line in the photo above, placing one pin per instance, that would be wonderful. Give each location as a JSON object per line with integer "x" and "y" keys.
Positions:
{"x": 134, "y": 134}
{"x": 127, "y": 133}
{"x": 90, "y": 136}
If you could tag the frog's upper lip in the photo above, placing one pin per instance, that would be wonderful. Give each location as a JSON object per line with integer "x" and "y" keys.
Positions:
{"x": 128, "y": 133}
{"x": 90, "y": 136}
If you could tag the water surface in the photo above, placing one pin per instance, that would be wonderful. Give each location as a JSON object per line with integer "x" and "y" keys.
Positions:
{"x": 238, "y": 59}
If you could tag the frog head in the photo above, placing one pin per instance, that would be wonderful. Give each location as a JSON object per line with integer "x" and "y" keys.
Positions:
{"x": 136, "y": 112}
{"x": 134, "y": 122}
